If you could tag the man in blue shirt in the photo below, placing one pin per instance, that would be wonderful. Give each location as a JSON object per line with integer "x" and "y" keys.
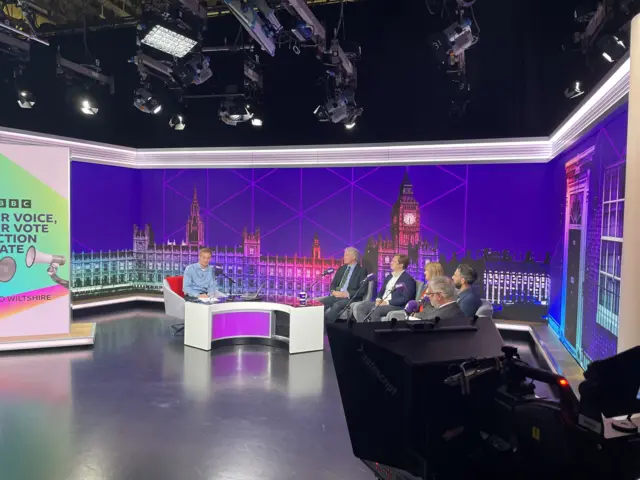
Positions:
{"x": 199, "y": 281}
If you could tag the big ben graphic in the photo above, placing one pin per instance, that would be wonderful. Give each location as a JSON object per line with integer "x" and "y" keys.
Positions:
{"x": 405, "y": 237}
{"x": 405, "y": 217}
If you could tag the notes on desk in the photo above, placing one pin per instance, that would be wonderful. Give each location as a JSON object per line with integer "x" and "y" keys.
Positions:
{"x": 209, "y": 300}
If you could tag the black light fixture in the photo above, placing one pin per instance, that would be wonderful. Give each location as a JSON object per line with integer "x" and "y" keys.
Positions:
{"x": 612, "y": 48}
{"x": 234, "y": 112}
{"x": 25, "y": 96}
{"x": 87, "y": 105}
{"x": 26, "y": 99}
{"x": 144, "y": 101}
{"x": 177, "y": 122}
{"x": 175, "y": 30}
{"x": 340, "y": 108}
{"x": 574, "y": 91}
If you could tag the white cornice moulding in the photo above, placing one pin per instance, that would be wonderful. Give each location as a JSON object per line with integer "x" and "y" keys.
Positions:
{"x": 81, "y": 150}
{"x": 516, "y": 150}
{"x": 612, "y": 90}
{"x": 609, "y": 93}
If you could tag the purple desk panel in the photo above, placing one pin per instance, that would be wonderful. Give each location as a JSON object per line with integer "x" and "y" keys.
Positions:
{"x": 241, "y": 324}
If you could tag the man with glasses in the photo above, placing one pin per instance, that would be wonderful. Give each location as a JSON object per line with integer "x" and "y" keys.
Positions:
{"x": 442, "y": 295}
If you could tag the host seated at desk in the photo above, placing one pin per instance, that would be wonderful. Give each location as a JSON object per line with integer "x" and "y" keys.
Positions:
{"x": 199, "y": 279}
{"x": 346, "y": 282}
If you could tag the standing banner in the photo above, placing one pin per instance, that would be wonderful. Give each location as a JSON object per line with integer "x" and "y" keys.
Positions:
{"x": 34, "y": 241}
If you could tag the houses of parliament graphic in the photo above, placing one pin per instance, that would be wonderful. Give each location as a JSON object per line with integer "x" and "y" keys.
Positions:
{"x": 503, "y": 278}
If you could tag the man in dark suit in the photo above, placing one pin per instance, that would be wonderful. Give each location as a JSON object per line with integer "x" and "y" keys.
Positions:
{"x": 389, "y": 297}
{"x": 469, "y": 301}
{"x": 346, "y": 282}
{"x": 442, "y": 293}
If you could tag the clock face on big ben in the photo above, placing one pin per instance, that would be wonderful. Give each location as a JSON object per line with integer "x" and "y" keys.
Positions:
{"x": 409, "y": 218}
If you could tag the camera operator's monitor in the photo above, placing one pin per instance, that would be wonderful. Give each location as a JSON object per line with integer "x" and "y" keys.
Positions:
{"x": 395, "y": 401}
{"x": 612, "y": 385}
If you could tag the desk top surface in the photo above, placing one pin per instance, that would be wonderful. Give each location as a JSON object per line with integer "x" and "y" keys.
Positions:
{"x": 279, "y": 299}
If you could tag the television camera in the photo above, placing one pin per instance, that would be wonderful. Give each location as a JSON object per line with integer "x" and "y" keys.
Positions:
{"x": 452, "y": 402}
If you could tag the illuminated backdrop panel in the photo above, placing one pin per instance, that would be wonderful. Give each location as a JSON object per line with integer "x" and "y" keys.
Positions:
{"x": 587, "y": 197}
{"x": 283, "y": 226}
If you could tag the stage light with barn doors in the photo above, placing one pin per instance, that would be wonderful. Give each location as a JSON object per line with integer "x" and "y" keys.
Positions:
{"x": 168, "y": 41}
{"x": 177, "y": 122}
{"x": 612, "y": 47}
{"x": 144, "y": 101}
{"x": 574, "y": 91}
{"x": 26, "y": 99}
{"x": 88, "y": 106}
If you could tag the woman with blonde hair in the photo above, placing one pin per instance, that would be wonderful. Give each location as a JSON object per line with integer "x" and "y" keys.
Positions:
{"x": 431, "y": 270}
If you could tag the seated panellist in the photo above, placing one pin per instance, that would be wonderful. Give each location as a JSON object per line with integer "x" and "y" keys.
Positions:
{"x": 442, "y": 294}
{"x": 389, "y": 298}
{"x": 199, "y": 282}
{"x": 431, "y": 270}
{"x": 347, "y": 284}
{"x": 469, "y": 301}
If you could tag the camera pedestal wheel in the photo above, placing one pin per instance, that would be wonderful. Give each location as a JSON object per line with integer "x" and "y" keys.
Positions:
{"x": 625, "y": 426}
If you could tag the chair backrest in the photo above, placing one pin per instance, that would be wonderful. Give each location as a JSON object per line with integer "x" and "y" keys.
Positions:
{"x": 176, "y": 284}
{"x": 420, "y": 286}
{"x": 485, "y": 310}
{"x": 371, "y": 291}
{"x": 173, "y": 297}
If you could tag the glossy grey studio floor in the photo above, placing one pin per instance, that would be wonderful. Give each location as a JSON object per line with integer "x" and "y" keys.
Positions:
{"x": 140, "y": 406}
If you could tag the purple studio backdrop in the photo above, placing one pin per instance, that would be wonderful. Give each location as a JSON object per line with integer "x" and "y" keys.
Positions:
{"x": 281, "y": 227}
{"x": 545, "y": 238}
{"x": 586, "y": 188}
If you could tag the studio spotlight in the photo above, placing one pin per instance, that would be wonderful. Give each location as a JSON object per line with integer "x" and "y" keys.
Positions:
{"x": 574, "y": 91}
{"x": 88, "y": 107}
{"x": 145, "y": 102}
{"x": 256, "y": 122}
{"x": 177, "y": 122}
{"x": 232, "y": 114}
{"x": 341, "y": 108}
{"x": 168, "y": 41}
{"x": 612, "y": 47}
{"x": 26, "y": 99}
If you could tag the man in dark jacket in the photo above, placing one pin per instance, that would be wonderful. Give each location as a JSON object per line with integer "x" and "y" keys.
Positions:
{"x": 441, "y": 292}
{"x": 390, "y": 297}
{"x": 469, "y": 301}
{"x": 347, "y": 284}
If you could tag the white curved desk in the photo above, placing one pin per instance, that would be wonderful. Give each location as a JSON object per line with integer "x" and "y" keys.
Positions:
{"x": 281, "y": 319}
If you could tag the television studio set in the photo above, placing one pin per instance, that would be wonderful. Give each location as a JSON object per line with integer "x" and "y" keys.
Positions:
{"x": 319, "y": 239}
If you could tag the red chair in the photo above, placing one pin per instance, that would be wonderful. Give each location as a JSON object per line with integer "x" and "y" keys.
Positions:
{"x": 174, "y": 300}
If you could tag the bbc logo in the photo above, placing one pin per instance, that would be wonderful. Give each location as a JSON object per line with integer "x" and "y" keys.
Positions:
{"x": 14, "y": 203}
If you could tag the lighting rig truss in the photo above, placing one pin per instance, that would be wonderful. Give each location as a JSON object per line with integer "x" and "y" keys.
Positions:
{"x": 14, "y": 48}
{"x": 25, "y": 28}
{"x": 259, "y": 20}
{"x": 15, "y": 54}
{"x": 92, "y": 72}
{"x": 169, "y": 49}
{"x": 451, "y": 44}
{"x": 83, "y": 81}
